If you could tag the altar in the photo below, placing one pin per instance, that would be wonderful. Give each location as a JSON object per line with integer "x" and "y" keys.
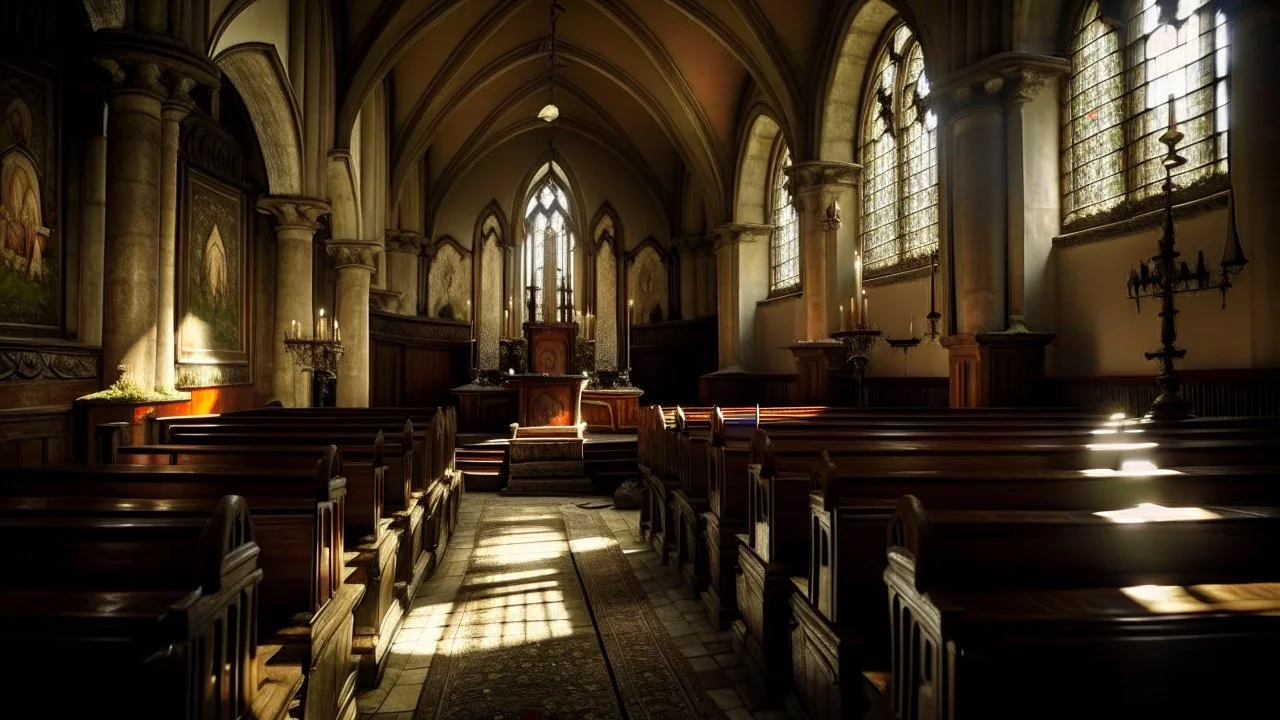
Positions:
{"x": 548, "y": 400}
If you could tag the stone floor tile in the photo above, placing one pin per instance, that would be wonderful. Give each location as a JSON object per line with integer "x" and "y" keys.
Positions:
{"x": 719, "y": 647}
{"x": 402, "y": 698}
{"x": 728, "y": 660}
{"x": 714, "y": 679}
{"x": 725, "y": 698}
{"x": 703, "y": 664}
{"x": 692, "y": 651}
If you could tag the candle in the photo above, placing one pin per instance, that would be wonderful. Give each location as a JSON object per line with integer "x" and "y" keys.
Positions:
{"x": 631, "y": 304}
{"x": 866, "y": 314}
{"x": 320, "y": 326}
{"x": 337, "y": 332}
{"x": 1173, "y": 121}
{"x": 468, "y": 310}
{"x": 506, "y": 321}
{"x": 842, "y": 318}
{"x": 911, "y": 327}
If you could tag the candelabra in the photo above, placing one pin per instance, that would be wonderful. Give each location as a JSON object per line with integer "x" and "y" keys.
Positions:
{"x": 1164, "y": 276}
{"x": 858, "y": 344}
{"x": 319, "y": 357}
{"x": 531, "y": 302}
{"x": 566, "y": 300}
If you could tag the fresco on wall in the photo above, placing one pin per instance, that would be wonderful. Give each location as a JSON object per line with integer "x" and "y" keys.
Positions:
{"x": 30, "y": 257}
{"x": 212, "y": 279}
{"x": 449, "y": 282}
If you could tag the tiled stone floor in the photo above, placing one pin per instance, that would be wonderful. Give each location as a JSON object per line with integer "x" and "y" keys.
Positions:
{"x": 433, "y": 618}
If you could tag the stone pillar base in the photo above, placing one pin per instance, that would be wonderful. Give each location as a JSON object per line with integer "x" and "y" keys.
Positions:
{"x": 998, "y": 369}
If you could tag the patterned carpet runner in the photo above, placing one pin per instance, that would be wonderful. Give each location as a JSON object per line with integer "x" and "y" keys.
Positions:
{"x": 553, "y": 625}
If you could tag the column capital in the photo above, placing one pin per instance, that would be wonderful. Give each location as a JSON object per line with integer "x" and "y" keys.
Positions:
{"x": 404, "y": 241}
{"x": 292, "y": 211}
{"x": 384, "y": 300}
{"x": 695, "y": 244}
{"x": 734, "y": 233}
{"x": 153, "y": 65}
{"x": 1005, "y": 78}
{"x": 355, "y": 254}
{"x": 178, "y": 102}
{"x": 822, "y": 174}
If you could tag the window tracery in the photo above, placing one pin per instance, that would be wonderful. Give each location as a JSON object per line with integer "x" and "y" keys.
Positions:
{"x": 784, "y": 245}
{"x": 1117, "y": 98}
{"x": 899, "y": 152}
{"x": 547, "y": 221}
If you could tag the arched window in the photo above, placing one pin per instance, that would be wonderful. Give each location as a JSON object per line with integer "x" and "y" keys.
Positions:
{"x": 899, "y": 156}
{"x": 1117, "y": 104}
{"x": 549, "y": 244}
{"x": 784, "y": 246}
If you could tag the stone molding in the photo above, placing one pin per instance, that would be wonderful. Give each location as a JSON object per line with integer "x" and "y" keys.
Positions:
{"x": 197, "y": 376}
{"x": 404, "y": 241}
{"x": 831, "y": 220}
{"x": 418, "y": 328}
{"x": 290, "y": 211}
{"x": 353, "y": 254}
{"x": 1005, "y": 78}
{"x": 155, "y": 66}
{"x": 384, "y": 300}
{"x": 696, "y": 244}
{"x": 24, "y": 362}
{"x": 178, "y": 103}
{"x": 805, "y": 177}
{"x": 734, "y": 233}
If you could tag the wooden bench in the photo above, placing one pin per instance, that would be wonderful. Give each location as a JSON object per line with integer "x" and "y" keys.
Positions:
{"x": 150, "y": 611}
{"x": 776, "y": 546}
{"x": 306, "y": 610}
{"x": 1067, "y": 615}
{"x": 840, "y": 619}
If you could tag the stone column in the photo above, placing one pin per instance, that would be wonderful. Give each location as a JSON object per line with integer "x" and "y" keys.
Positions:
{"x": 354, "y": 261}
{"x": 402, "y": 267}
{"x": 979, "y": 214}
{"x": 93, "y": 222}
{"x": 296, "y": 219}
{"x": 737, "y": 250}
{"x": 816, "y": 188}
{"x": 1255, "y": 143}
{"x": 131, "y": 260}
{"x": 174, "y": 109}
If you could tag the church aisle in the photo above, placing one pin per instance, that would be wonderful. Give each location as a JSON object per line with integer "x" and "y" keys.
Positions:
{"x": 544, "y": 610}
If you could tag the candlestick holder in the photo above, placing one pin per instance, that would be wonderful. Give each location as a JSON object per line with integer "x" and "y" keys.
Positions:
{"x": 319, "y": 358}
{"x": 1165, "y": 277}
{"x": 531, "y": 303}
{"x": 903, "y": 344}
{"x": 933, "y": 321}
{"x": 858, "y": 344}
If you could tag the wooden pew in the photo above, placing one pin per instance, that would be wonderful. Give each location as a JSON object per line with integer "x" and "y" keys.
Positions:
{"x": 373, "y": 554}
{"x": 729, "y": 448}
{"x": 1076, "y": 615}
{"x": 417, "y": 549}
{"x": 840, "y": 625}
{"x": 425, "y": 509}
{"x": 151, "y": 611}
{"x": 306, "y": 611}
{"x": 776, "y": 547}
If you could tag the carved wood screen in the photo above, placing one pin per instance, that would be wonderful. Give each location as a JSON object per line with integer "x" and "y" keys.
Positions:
{"x": 489, "y": 296}
{"x": 606, "y": 235}
{"x": 449, "y": 281}
{"x": 652, "y": 272}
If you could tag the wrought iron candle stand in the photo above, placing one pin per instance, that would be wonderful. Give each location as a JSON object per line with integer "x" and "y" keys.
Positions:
{"x": 317, "y": 357}
{"x": 858, "y": 344}
{"x": 565, "y": 307}
{"x": 1165, "y": 277}
{"x": 933, "y": 321}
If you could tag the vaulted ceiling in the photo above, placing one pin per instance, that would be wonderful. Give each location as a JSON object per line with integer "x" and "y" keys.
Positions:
{"x": 659, "y": 83}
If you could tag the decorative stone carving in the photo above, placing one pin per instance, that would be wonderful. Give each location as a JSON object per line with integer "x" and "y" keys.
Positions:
{"x": 647, "y": 282}
{"x": 346, "y": 254}
{"x": 195, "y": 376}
{"x": 45, "y": 363}
{"x": 449, "y": 281}
{"x": 696, "y": 244}
{"x": 735, "y": 233}
{"x": 820, "y": 175}
{"x": 294, "y": 212}
{"x": 997, "y": 80}
{"x": 407, "y": 326}
{"x": 404, "y": 241}
{"x": 832, "y": 220}
{"x": 384, "y": 300}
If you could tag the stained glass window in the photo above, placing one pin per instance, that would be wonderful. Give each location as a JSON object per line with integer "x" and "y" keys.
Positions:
{"x": 548, "y": 208}
{"x": 784, "y": 247}
{"x": 1093, "y": 166}
{"x": 1118, "y": 102}
{"x": 899, "y": 152}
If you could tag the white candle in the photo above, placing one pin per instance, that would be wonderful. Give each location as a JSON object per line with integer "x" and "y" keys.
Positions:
{"x": 631, "y": 305}
{"x": 842, "y": 318}
{"x": 866, "y": 314}
{"x": 911, "y": 327}
{"x": 337, "y": 332}
{"x": 506, "y": 321}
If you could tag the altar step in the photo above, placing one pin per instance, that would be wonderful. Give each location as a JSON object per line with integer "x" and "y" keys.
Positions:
{"x": 609, "y": 464}
{"x": 482, "y": 468}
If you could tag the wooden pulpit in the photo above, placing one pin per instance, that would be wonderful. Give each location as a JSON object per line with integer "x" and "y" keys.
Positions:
{"x": 552, "y": 348}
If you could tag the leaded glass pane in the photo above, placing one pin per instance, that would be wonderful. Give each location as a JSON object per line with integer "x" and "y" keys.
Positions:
{"x": 1186, "y": 58}
{"x": 899, "y": 153}
{"x": 548, "y": 207}
{"x": 784, "y": 248}
{"x": 1093, "y": 165}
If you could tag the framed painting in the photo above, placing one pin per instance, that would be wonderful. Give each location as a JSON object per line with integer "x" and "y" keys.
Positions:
{"x": 31, "y": 257}
{"x": 213, "y": 309}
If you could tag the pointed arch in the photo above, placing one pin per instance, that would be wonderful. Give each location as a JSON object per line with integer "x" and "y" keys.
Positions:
{"x": 492, "y": 219}
{"x": 652, "y": 272}
{"x": 755, "y": 151}
{"x": 606, "y": 291}
{"x": 549, "y": 215}
{"x": 259, "y": 77}
{"x": 491, "y": 288}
